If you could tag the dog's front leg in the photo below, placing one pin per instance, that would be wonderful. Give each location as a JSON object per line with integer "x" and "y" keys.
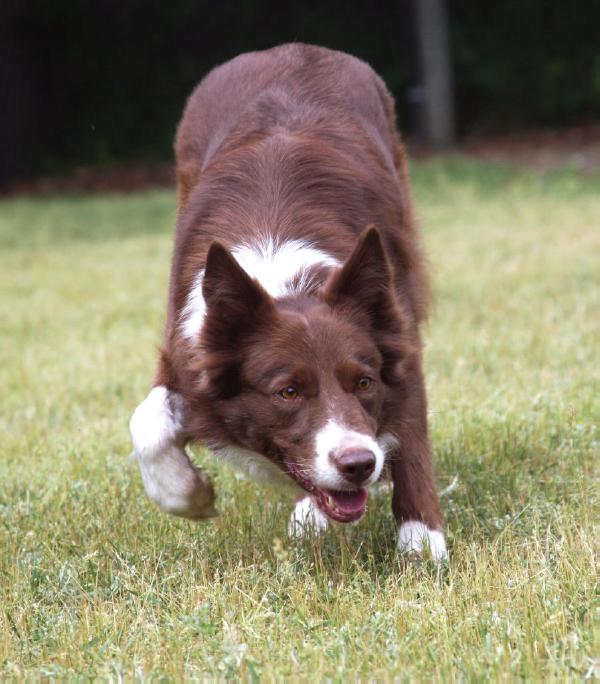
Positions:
{"x": 415, "y": 501}
{"x": 171, "y": 480}
{"x": 306, "y": 519}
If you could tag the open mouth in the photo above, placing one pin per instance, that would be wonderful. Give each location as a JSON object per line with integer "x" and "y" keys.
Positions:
{"x": 341, "y": 505}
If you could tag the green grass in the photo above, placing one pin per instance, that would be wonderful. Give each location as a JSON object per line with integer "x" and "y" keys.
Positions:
{"x": 95, "y": 581}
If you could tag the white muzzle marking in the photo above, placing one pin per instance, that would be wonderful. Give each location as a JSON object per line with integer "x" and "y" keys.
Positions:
{"x": 333, "y": 438}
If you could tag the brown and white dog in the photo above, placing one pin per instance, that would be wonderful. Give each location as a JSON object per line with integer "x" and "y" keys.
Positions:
{"x": 297, "y": 287}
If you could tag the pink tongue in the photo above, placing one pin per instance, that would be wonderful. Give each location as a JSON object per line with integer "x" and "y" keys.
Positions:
{"x": 349, "y": 502}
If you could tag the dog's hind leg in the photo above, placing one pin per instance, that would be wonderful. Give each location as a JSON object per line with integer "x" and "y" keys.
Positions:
{"x": 171, "y": 480}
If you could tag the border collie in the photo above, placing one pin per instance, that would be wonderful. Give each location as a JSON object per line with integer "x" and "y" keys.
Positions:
{"x": 298, "y": 284}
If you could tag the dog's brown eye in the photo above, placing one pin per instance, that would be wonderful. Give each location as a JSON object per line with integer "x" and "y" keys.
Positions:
{"x": 363, "y": 383}
{"x": 289, "y": 392}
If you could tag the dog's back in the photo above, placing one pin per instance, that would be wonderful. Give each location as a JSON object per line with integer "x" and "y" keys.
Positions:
{"x": 292, "y": 88}
{"x": 296, "y": 142}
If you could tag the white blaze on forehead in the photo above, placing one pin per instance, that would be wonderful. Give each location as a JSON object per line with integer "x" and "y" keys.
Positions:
{"x": 280, "y": 268}
{"x": 334, "y": 438}
{"x": 414, "y": 537}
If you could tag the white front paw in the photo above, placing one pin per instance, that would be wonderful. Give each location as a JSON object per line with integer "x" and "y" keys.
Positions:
{"x": 156, "y": 422}
{"x": 414, "y": 537}
{"x": 306, "y": 519}
{"x": 177, "y": 486}
{"x": 171, "y": 480}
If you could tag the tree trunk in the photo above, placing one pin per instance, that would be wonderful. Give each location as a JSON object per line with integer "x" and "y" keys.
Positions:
{"x": 436, "y": 72}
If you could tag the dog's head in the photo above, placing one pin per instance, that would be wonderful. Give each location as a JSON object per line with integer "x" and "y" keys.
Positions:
{"x": 305, "y": 380}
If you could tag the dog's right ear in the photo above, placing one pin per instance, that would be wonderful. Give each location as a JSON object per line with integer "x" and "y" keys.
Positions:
{"x": 235, "y": 302}
{"x": 364, "y": 284}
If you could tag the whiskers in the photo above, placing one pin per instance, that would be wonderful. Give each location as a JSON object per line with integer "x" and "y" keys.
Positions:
{"x": 307, "y": 471}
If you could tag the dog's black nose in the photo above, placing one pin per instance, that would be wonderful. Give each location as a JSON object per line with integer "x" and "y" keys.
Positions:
{"x": 356, "y": 465}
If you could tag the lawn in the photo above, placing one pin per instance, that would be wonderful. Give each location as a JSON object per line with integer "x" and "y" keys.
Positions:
{"x": 95, "y": 581}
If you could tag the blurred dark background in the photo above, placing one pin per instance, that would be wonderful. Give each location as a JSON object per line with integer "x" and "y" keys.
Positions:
{"x": 103, "y": 83}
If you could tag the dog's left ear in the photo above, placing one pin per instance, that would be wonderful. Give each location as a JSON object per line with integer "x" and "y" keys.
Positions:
{"x": 365, "y": 280}
{"x": 364, "y": 286}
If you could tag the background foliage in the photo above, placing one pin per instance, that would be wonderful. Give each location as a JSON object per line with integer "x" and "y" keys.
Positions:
{"x": 102, "y": 81}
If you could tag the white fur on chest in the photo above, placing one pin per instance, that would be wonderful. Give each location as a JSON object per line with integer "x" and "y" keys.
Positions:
{"x": 257, "y": 467}
{"x": 281, "y": 269}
